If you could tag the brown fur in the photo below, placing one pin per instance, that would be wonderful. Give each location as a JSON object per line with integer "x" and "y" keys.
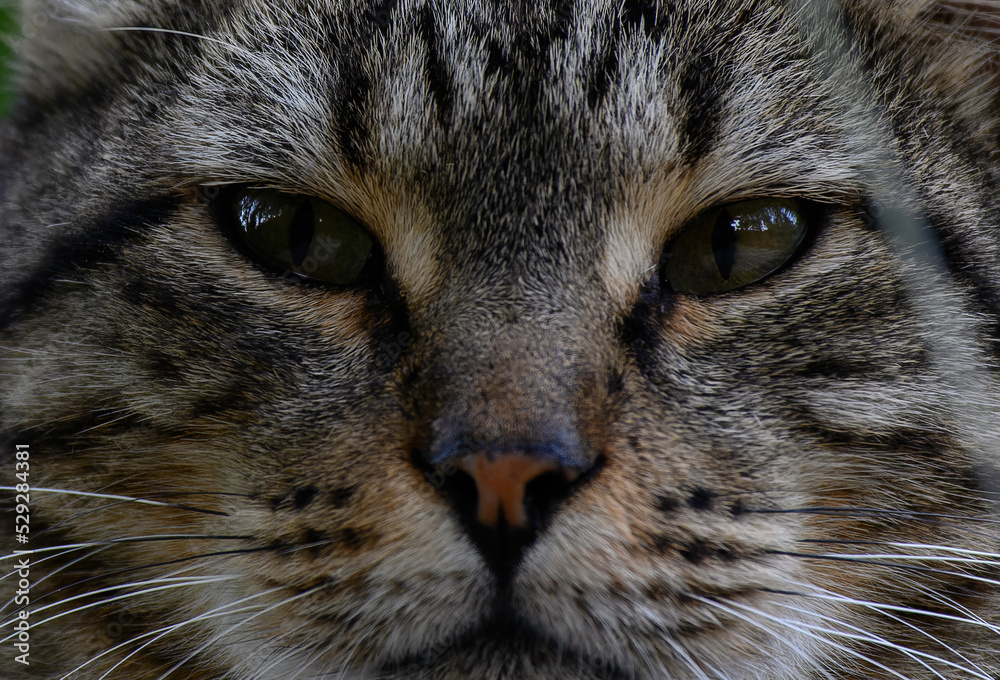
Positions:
{"x": 791, "y": 480}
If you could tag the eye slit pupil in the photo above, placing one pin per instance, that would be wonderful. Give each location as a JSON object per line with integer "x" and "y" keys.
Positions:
{"x": 724, "y": 244}
{"x": 300, "y": 232}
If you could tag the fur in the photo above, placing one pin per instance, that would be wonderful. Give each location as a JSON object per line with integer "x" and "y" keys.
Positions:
{"x": 794, "y": 480}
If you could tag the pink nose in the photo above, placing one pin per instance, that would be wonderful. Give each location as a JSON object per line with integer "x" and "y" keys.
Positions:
{"x": 501, "y": 485}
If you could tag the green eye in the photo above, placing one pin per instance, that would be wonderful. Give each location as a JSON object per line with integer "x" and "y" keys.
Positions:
{"x": 735, "y": 245}
{"x": 300, "y": 234}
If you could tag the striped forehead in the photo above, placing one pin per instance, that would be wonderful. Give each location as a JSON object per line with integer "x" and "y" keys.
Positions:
{"x": 404, "y": 88}
{"x": 397, "y": 83}
{"x": 308, "y": 92}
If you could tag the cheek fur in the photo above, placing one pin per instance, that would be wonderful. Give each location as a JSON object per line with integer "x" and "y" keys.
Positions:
{"x": 511, "y": 451}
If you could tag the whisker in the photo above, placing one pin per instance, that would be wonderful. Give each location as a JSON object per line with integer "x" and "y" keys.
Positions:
{"x": 971, "y": 616}
{"x": 242, "y": 622}
{"x": 824, "y": 594}
{"x": 142, "y": 501}
{"x": 52, "y": 573}
{"x": 116, "y": 572}
{"x": 185, "y": 34}
{"x": 312, "y": 658}
{"x": 686, "y": 657}
{"x": 34, "y": 562}
{"x": 862, "y": 635}
{"x": 886, "y": 610}
{"x": 132, "y": 539}
{"x": 305, "y": 546}
{"x": 798, "y": 627}
{"x": 160, "y": 633}
{"x": 67, "y": 547}
{"x": 170, "y": 585}
{"x": 174, "y": 574}
{"x": 909, "y": 546}
{"x": 887, "y": 565}
{"x": 875, "y": 513}
{"x": 869, "y": 557}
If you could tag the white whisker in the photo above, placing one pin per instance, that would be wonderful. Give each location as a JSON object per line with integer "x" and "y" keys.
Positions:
{"x": 170, "y": 584}
{"x": 171, "y": 31}
{"x": 89, "y": 494}
{"x": 222, "y": 610}
{"x": 54, "y": 572}
{"x": 834, "y": 597}
{"x": 225, "y": 631}
{"x": 800, "y": 628}
{"x": 865, "y": 636}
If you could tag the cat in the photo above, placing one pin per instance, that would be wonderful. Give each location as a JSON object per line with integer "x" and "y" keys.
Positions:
{"x": 632, "y": 340}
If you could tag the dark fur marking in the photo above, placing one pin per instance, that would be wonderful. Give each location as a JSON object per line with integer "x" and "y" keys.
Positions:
{"x": 922, "y": 443}
{"x": 161, "y": 366}
{"x": 234, "y": 403}
{"x": 616, "y": 382}
{"x": 496, "y": 61}
{"x": 352, "y": 130}
{"x": 840, "y": 369}
{"x": 315, "y": 540}
{"x": 641, "y": 13}
{"x": 351, "y": 38}
{"x": 965, "y": 268}
{"x": 101, "y": 244}
{"x": 340, "y": 496}
{"x": 695, "y": 552}
{"x": 701, "y": 499}
{"x": 304, "y": 497}
{"x": 603, "y": 76}
{"x": 381, "y": 15}
{"x": 660, "y": 544}
{"x": 355, "y": 539}
{"x": 641, "y": 330}
{"x": 434, "y": 68}
{"x": 391, "y": 338}
{"x": 703, "y": 81}
{"x": 666, "y": 504}
{"x": 564, "y": 12}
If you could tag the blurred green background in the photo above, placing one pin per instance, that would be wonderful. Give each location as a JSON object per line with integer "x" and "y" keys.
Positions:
{"x": 7, "y": 27}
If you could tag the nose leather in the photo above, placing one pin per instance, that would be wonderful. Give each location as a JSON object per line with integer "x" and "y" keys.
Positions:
{"x": 501, "y": 482}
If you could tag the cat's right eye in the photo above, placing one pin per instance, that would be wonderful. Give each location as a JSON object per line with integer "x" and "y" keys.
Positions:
{"x": 299, "y": 234}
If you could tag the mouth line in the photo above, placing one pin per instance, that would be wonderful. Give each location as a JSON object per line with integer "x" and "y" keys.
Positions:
{"x": 503, "y": 632}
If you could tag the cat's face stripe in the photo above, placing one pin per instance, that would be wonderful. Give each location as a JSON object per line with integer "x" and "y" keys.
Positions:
{"x": 634, "y": 383}
{"x": 96, "y": 245}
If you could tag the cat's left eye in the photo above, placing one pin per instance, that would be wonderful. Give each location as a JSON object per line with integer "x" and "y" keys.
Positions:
{"x": 300, "y": 234}
{"x": 735, "y": 245}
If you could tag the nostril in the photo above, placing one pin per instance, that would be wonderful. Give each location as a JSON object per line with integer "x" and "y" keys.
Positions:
{"x": 460, "y": 490}
{"x": 456, "y": 485}
{"x": 542, "y": 494}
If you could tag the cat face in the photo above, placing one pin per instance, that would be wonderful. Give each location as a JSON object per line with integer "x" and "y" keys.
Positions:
{"x": 492, "y": 340}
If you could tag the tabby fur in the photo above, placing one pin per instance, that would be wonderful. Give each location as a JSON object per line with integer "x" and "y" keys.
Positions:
{"x": 792, "y": 481}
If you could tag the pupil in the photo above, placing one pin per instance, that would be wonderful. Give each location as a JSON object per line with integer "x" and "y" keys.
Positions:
{"x": 300, "y": 232}
{"x": 724, "y": 244}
